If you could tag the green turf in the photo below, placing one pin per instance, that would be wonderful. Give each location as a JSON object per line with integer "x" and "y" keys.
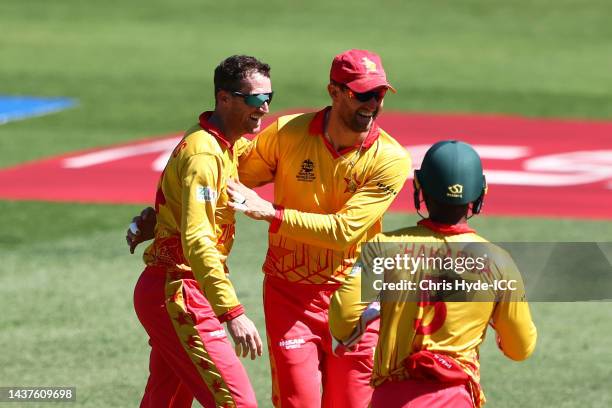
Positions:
{"x": 143, "y": 68}
{"x": 66, "y": 284}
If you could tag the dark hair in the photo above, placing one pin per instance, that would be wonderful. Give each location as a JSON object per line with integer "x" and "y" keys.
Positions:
{"x": 230, "y": 73}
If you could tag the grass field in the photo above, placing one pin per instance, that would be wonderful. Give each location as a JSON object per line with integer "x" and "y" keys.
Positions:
{"x": 144, "y": 68}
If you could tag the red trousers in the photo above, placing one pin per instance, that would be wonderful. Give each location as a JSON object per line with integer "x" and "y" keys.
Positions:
{"x": 190, "y": 353}
{"x": 421, "y": 394}
{"x": 300, "y": 348}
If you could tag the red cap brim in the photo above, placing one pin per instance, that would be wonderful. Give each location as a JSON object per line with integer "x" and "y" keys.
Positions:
{"x": 368, "y": 83}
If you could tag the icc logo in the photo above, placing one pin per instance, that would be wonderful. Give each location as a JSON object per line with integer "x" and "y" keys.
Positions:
{"x": 306, "y": 172}
{"x": 307, "y": 166}
{"x": 456, "y": 190}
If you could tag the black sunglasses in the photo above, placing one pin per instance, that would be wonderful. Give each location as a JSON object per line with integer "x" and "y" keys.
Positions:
{"x": 377, "y": 94}
{"x": 255, "y": 100}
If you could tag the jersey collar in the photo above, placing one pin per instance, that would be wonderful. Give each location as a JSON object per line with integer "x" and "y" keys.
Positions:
{"x": 213, "y": 130}
{"x": 446, "y": 229}
{"x": 317, "y": 128}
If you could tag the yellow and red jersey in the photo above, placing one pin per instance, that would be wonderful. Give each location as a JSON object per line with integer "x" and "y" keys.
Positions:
{"x": 195, "y": 227}
{"x": 454, "y": 329}
{"x": 328, "y": 201}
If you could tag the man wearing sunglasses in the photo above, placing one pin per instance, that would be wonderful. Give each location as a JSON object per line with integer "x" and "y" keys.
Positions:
{"x": 184, "y": 294}
{"x": 335, "y": 173}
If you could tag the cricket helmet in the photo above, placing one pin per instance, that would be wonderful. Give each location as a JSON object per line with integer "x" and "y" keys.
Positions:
{"x": 451, "y": 173}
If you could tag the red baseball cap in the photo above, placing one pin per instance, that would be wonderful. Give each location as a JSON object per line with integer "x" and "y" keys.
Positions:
{"x": 360, "y": 70}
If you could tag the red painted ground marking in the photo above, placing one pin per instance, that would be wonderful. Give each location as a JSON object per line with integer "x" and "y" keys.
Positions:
{"x": 535, "y": 167}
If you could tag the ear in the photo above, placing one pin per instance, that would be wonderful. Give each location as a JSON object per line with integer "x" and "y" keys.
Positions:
{"x": 333, "y": 90}
{"x": 223, "y": 97}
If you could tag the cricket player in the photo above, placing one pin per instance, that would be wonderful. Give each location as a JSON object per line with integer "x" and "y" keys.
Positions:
{"x": 427, "y": 354}
{"x": 184, "y": 294}
{"x": 335, "y": 173}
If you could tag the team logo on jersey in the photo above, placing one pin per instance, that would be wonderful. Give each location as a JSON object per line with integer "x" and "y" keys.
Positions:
{"x": 456, "y": 190}
{"x": 351, "y": 184}
{"x": 369, "y": 65}
{"x": 306, "y": 172}
{"x": 205, "y": 193}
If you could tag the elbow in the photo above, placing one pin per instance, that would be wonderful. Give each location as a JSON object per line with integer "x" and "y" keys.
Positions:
{"x": 335, "y": 314}
{"x": 522, "y": 349}
{"x": 520, "y": 355}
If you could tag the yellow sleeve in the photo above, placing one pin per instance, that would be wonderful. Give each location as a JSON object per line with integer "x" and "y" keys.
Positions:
{"x": 257, "y": 163}
{"x": 346, "y": 306}
{"x": 201, "y": 178}
{"x": 351, "y": 299}
{"x": 342, "y": 229}
{"x": 516, "y": 332}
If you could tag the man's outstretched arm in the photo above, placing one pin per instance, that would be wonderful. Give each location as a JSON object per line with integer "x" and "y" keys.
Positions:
{"x": 338, "y": 230}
